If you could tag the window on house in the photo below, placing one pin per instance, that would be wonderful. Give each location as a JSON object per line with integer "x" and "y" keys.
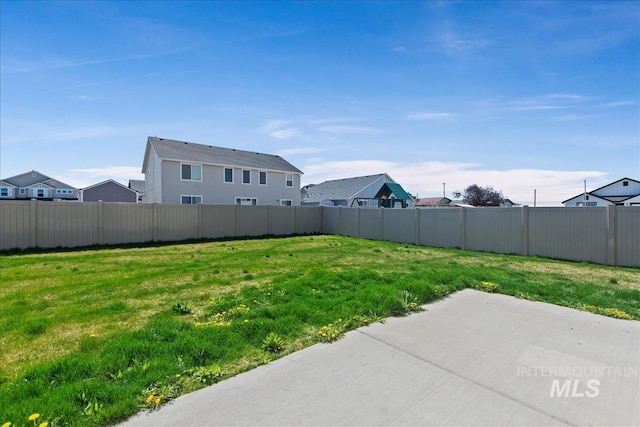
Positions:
{"x": 592, "y": 203}
{"x": 289, "y": 180}
{"x": 246, "y": 201}
{"x": 191, "y": 200}
{"x": 191, "y": 172}
{"x": 625, "y": 183}
{"x": 263, "y": 178}
{"x": 228, "y": 175}
{"x": 4, "y": 192}
{"x": 23, "y": 191}
{"x": 40, "y": 192}
{"x": 246, "y": 176}
{"x": 286, "y": 203}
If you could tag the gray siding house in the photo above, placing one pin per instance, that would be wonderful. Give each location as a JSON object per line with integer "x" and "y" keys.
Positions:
{"x": 187, "y": 173}
{"x": 108, "y": 191}
{"x": 137, "y": 185}
{"x": 35, "y": 185}
{"x": 357, "y": 191}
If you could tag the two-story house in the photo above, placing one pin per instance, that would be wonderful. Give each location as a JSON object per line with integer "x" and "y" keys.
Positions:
{"x": 623, "y": 192}
{"x": 187, "y": 173}
{"x": 35, "y": 185}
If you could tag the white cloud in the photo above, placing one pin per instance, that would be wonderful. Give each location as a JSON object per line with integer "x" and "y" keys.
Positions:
{"x": 429, "y": 115}
{"x": 572, "y": 117}
{"x": 349, "y": 130}
{"x": 273, "y": 125}
{"x": 300, "y": 150}
{"x": 284, "y": 133}
{"x": 82, "y": 178}
{"x": 617, "y": 104}
{"x": 80, "y": 133}
{"x": 425, "y": 178}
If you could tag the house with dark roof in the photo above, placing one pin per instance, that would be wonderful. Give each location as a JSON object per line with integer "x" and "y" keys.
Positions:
{"x": 188, "y": 173}
{"x": 36, "y": 185}
{"x": 623, "y": 192}
{"x": 108, "y": 191}
{"x": 432, "y": 202}
{"x": 357, "y": 191}
{"x": 137, "y": 185}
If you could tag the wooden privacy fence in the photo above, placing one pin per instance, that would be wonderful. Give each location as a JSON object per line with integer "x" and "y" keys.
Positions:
{"x": 608, "y": 235}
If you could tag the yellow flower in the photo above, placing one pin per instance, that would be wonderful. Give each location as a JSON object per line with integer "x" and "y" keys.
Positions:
{"x": 34, "y": 417}
{"x": 92, "y": 336}
{"x": 150, "y": 398}
{"x": 7, "y": 424}
{"x": 44, "y": 424}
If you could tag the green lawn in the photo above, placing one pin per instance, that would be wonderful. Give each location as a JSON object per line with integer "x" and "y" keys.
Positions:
{"x": 90, "y": 337}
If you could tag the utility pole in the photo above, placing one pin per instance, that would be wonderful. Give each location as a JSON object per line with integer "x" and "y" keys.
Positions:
{"x": 534, "y": 197}
{"x": 444, "y": 191}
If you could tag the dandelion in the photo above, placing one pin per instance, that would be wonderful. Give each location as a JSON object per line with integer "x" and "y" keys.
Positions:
{"x": 92, "y": 336}
{"x": 34, "y": 417}
{"x": 7, "y": 424}
{"x": 44, "y": 424}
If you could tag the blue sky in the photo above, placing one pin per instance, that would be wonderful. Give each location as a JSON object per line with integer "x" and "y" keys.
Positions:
{"x": 517, "y": 95}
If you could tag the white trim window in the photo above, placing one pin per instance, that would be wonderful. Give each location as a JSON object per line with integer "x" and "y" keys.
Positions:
{"x": 262, "y": 177}
{"x": 286, "y": 202}
{"x": 40, "y": 192}
{"x": 289, "y": 180}
{"x": 4, "y": 191}
{"x": 228, "y": 175}
{"x": 245, "y": 201}
{"x": 190, "y": 200}
{"x": 190, "y": 172}
{"x": 246, "y": 176}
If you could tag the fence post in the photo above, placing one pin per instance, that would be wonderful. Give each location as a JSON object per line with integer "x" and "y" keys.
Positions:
{"x": 155, "y": 221}
{"x": 100, "y": 224}
{"x": 33, "y": 238}
{"x": 200, "y": 219}
{"x": 381, "y": 224}
{"x": 611, "y": 240}
{"x": 417, "y": 219}
{"x": 463, "y": 225}
{"x": 525, "y": 230}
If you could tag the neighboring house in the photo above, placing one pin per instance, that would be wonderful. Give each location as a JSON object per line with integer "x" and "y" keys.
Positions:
{"x": 432, "y": 202}
{"x": 188, "y": 173}
{"x": 392, "y": 195}
{"x": 357, "y": 191}
{"x": 137, "y": 185}
{"x": 35, "y": 185}
{"x": 623, "y": 192}
{"x": 108, "y": 191}
{"x": 507, "y": 203}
